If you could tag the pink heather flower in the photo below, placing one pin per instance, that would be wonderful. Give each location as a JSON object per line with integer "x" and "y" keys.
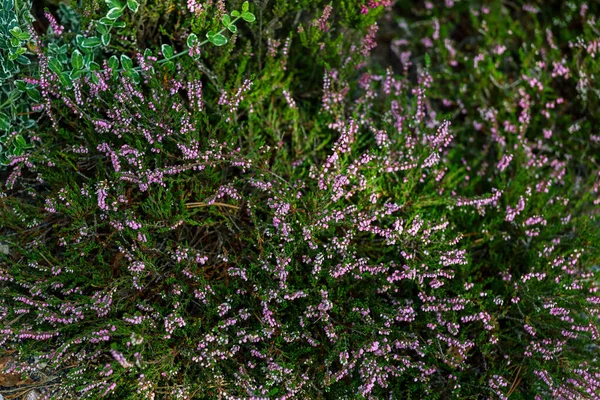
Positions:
{"x": 504, "y": 162}
{"x": 195, "y": 7}
{"x": 369, "y": 42}
{"x": 529, "y": 329}
{"x": 499, "y": 49}
{"x": 272, "y": 46}
{"x": 559, "y": 69}
{"x": 289, "y": 99}
{"x": 194, "y": 90}
{"x": 56, "y": 28}
{"x": 321, "y": 23}
{"x": 102, "y": 195}
{"x": 511, "y": 213}
{"x": 120, "y": 359}
{"x": 436, "y": 29}
{"x": 234, "y": 101}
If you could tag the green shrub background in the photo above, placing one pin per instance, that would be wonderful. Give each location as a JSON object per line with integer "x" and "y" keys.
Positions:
{"x": 300, "y": 199}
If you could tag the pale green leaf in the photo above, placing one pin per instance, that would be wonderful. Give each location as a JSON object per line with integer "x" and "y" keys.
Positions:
{"x": 133, "y": 5}
{"x": 77, "y": 59}
{"x": 114, "y": 13}
{"x": 248, "y": 16}
{"x": 218, "y": 39}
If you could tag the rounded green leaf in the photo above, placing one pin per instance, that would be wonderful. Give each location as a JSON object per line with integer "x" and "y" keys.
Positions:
{"x": 102, "y": 29}
{"x": 65, "y": 79}
{"x": 34, "y": 94}
{"x": 16, "y": 31}
{"x": 248, "y": 16}
{"x": 133, "y": 5}
{"x": 90, "y": 43}
{"x": 10, "y": 67}
{"x": 55, "y": 65}
{"x": 113, "y": 63}
{"x": 126, "y": 62}
{"x": 114, "y": 13}
{"x": 235, "y": 13}
{"x": 166, "y": 50}
{"x": 192, "y": 40}
{"x": 218, "y": 39}
{"x": 105, "y": 39}
{"x": 23, "y": 60}
{"x": 19, "y": 34}
{"x": 21, "y": 85}
{"x": 77, "y": 59}
{"x": 245, "y": 6}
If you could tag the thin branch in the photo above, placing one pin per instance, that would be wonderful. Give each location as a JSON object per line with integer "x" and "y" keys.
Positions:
{"x": 195, "y": 205}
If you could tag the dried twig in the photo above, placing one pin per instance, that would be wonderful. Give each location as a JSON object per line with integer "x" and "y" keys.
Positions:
{"x": 515, "y": 383}
{"x": 196, "y": 204}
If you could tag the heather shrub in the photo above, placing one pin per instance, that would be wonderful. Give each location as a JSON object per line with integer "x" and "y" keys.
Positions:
{"x": 282, "y": 212}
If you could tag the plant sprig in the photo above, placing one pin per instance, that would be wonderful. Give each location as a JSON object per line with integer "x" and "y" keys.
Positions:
{"x": 217, "y": 38}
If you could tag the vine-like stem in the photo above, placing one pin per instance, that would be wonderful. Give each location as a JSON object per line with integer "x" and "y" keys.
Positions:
{"x": 187, "y": 50}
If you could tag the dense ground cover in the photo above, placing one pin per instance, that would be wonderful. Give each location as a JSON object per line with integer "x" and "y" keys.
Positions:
{"x": 300, "y": 199}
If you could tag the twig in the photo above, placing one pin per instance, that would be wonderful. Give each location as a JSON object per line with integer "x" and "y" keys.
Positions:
{"x": 515, "y": 384}
{"x": 29, "y": 388}
{"x": 15, "y": 320}
{"x": 44, "y": 257}
{"x": 196, "y": 204}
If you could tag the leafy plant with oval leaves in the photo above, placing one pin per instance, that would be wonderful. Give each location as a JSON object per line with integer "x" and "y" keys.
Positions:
{"x": 15, "y": 95}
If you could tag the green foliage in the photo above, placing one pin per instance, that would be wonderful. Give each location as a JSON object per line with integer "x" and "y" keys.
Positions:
{"x": 15, "y": 63}
{"x": 328, "y": 200}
